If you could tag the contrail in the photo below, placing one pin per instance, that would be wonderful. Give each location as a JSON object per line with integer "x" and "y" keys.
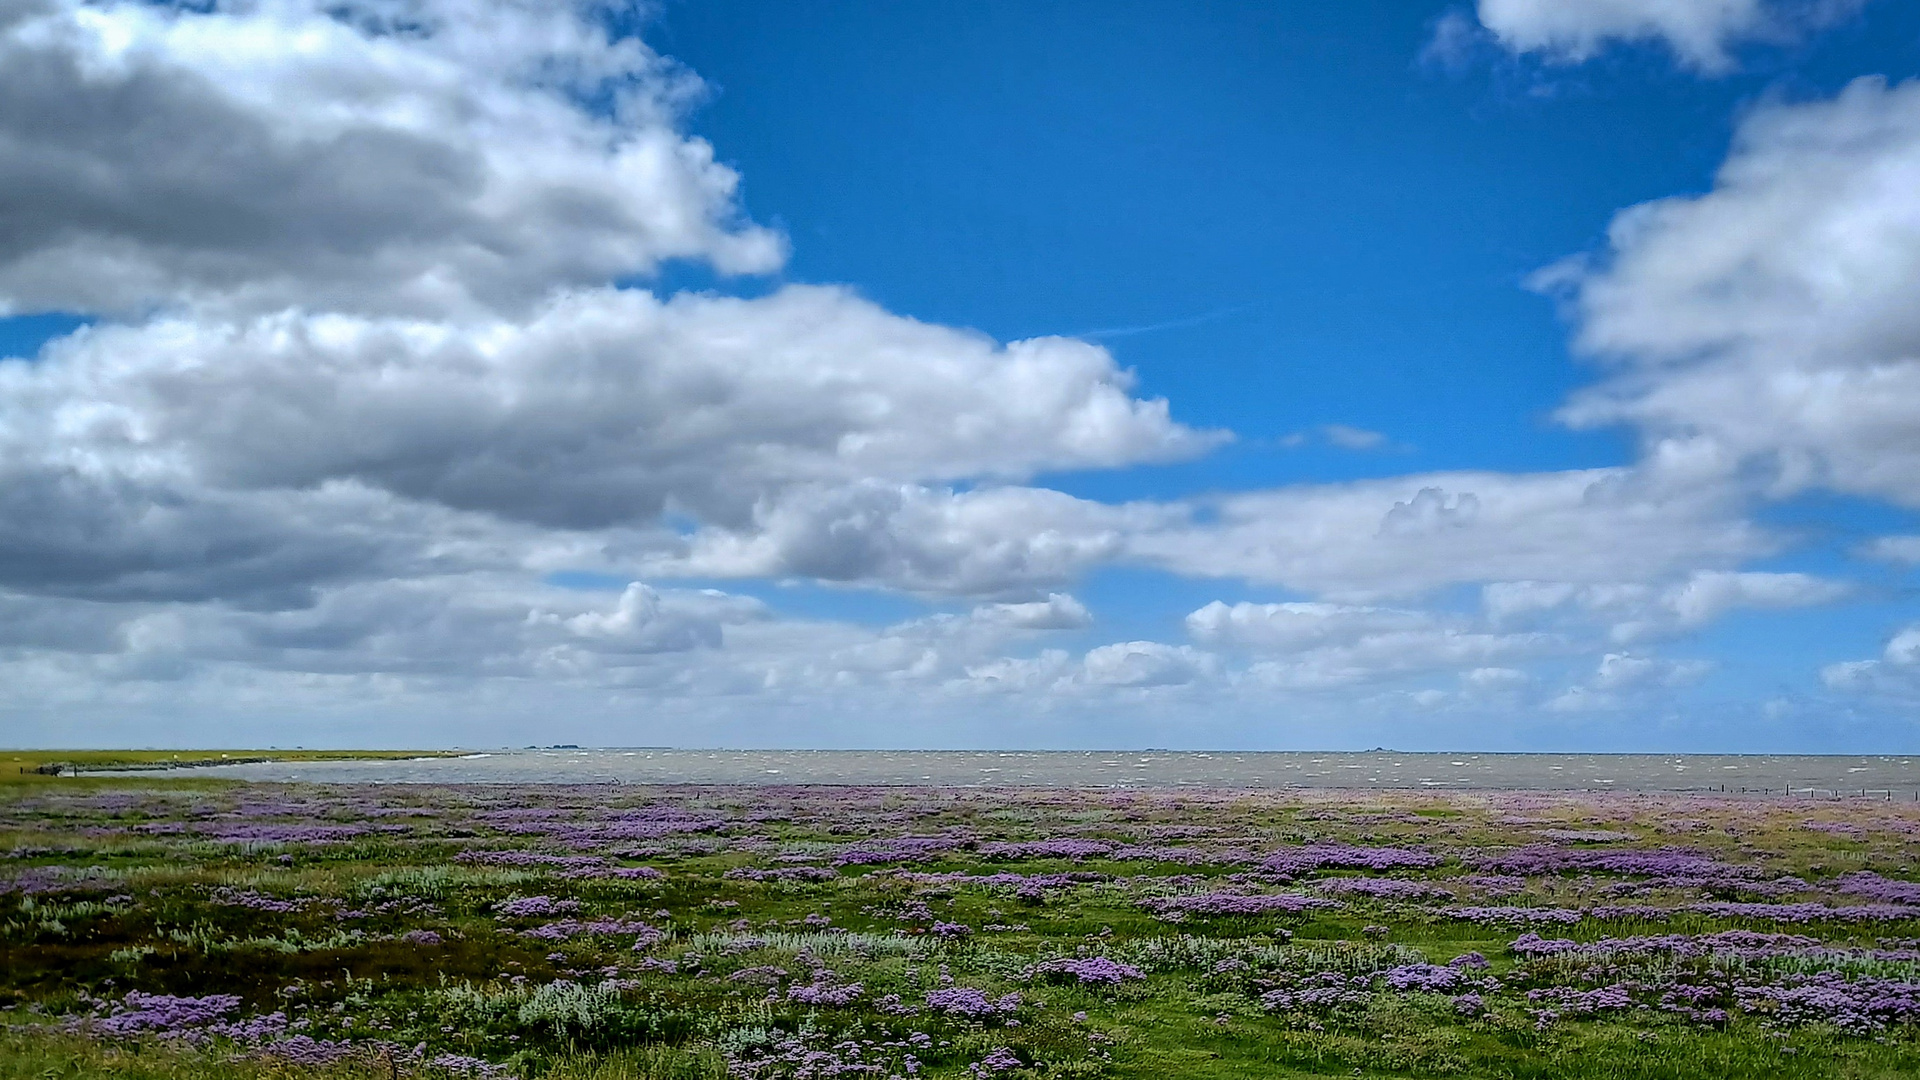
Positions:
{"x": 1171, "y": 324}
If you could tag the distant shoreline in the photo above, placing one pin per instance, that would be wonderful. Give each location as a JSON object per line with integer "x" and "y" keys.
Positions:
{"x": 29, "y": 764}
{"x": 1880, "y": 777}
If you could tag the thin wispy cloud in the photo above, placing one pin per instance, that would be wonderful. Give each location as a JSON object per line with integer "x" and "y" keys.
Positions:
{"x": 1168, "y": 324}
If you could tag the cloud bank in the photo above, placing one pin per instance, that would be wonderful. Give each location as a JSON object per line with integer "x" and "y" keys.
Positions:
{"x": 1701, "y": 34}
{"x": 376, "y": 371}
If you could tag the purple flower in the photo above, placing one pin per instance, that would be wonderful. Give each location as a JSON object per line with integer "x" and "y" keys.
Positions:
{"x": 764, "y": 975}
{"x": 566, "y": 929}
{"x": 823, "y": 990}
{"x": 1424, "y": 978}
{"x": 1862, "y": 1006}
{"x": 1089, "y": 971}
{"x": 1539, "y": 859}
{"x": 785, "y": 873}
{"x": 969, "y": 1003}
{"x": 164, "y": 1013}
{"x": 1801, "y": 913}
{"x": 1383, "y": 889}
{"x": 900, "y": 849}
{"x": 1513, "y": 916}
{"x": 1068, "y": 848}
{"x": 998, "y": 1060}
{"x": 1566, "y": 1001}
{"x": 467, "y": 1065}
{"x": 528, "y": 907}
{"x": 1874, "y": 887}
{"x": 1235, "y": 904}
{"x": 1294, "y": 862}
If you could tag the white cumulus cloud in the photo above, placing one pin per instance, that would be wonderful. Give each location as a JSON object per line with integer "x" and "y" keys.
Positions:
{"x": 1700, "y": 33}
{"x": 1640, "y": 609}
{"x": 1772, "y": 319}
{"x": 378, "y": 155}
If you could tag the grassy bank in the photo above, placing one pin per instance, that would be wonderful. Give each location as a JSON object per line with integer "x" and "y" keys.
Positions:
{"x": 23, "y": 766}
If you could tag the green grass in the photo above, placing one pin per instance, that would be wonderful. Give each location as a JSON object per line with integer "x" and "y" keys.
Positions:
{"x": 45, "y": 1056}
{"x": 34, "y": 1056}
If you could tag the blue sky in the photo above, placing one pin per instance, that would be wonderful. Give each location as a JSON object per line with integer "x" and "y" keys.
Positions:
{"x": 1519, "y": 375}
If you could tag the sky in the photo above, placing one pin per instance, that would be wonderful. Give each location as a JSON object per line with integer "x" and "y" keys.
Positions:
{"x": 1520, "y": 375}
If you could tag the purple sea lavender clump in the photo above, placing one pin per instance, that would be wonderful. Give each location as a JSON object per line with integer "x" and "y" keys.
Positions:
{"x": 467, "y": 1065}
{"x": 900, "y": 849}
{"x": 1235, "y": 904}
{"x": 1862, "y": 1006}
{"x": 1565, "y": 1001}
{"x": 1698, "y": 1004}
{"x": 1066, "y": 848}
{"x": 648, "y": 824}
{"x": 1424, "y": 978}
{"x": 421, "y": 937}
{"x": 785, "y": 873}
{"x": 1089, "y": 971}
{"x": 1874, "y": 887}
{"x": 1383, "y": 889}
{"x": 802, "y": 1056}
{"x": 764, "y": 975}
{"x": 1469, "y": 1005}
{"x": 1836, "y": 828}
{"x": 530, "y": 907}
{"x": 1804, "y": 913}
{"x": 1537, "y": 859}
{"x": 1294, "y": 862}
{"x": 951, "y": 931}
{"x": 825, "y": 990}
{"x": 1178, "y": 832}
{"x": 1319, "y": 992}
{"x": 250, "y": 1031}
{"x": 164, "y": 1013}
{"x": 1000, "y": 1059}
{"x": 971, "y": 1003}
{"x": 567, "y": 929}
{"x": 1734, "y": 945}
{"x": 1514, "y": 916}
{"x": 308, "y": 1052}
{"x": 258, "y": 832}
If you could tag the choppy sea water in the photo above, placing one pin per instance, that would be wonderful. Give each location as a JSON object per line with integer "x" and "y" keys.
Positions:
{"x": 1897, "y": 777}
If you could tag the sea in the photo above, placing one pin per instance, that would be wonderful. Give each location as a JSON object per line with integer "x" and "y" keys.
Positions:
{"x": 1895, "y": 777}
